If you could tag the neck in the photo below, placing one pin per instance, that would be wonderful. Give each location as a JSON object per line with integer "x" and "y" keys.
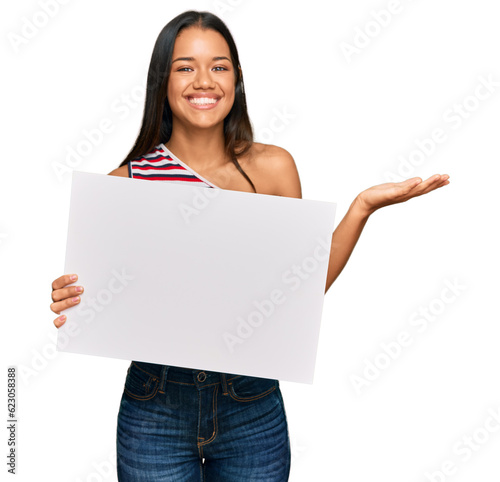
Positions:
{"x": 200, "y": 149}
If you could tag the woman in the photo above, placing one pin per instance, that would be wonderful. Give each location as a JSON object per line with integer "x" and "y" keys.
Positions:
{"x": 179, "y": 424}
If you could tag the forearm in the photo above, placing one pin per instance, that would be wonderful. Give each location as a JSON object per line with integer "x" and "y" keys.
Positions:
{"x": 344, "y": 239}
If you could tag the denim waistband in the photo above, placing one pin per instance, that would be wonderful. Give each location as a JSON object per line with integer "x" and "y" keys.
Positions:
{"x": 187, "y": 376}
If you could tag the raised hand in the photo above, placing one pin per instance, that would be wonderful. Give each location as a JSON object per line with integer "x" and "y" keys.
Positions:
{"x": 388, "y": 193}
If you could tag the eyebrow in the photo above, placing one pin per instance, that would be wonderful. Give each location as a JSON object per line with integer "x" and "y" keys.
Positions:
{"x": 190, "y": 59}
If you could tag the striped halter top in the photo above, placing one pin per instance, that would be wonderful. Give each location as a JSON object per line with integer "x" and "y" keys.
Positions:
{"x": 161, "y": 165}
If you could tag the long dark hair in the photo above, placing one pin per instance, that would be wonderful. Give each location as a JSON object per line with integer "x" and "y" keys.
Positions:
{"x": 156, "y": 125}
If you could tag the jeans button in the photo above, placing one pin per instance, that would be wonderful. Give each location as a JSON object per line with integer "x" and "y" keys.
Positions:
{"x": 202, "y": 376}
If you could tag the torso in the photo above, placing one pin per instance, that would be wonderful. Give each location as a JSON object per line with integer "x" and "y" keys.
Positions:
{"x": 256, "y": 163}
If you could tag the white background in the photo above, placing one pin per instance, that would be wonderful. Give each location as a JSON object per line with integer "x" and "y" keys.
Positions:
{"x": 351, "y": 122}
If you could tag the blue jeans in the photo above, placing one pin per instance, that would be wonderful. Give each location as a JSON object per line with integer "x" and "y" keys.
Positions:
{"x": 178, "y": 424}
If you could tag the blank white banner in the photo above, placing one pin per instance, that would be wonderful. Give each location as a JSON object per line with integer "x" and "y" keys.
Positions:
{"x": 196, "y": 277}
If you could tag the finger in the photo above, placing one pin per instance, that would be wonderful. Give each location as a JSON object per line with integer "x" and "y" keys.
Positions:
{"x": 59, "y": 306}
{"x": 411, "y": 183}
{"x": 63, "y": 281}
{"x": 404, "y": 188}
{"x": 63, "y": 293}
{"x": 432, "y": 180}
{"x": 434, "y": 183}
{"x": 427, "y": 185}
{"x": 439, "y": 177}
{"x": 433, "y": 188}
{"x": 58, "y": 322}
{"x": 444, "y": 181}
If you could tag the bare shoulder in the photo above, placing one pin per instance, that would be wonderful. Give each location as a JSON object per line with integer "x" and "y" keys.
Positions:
{"x": 121, "y": 171}
{"x": 276, "y": 169}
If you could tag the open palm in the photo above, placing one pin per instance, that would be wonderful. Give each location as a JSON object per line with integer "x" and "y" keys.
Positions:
{"x": 396, "y": 192}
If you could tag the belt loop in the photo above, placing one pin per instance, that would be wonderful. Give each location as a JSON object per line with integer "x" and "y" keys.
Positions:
{"x": 224, "y": 384}
{"x": 163, "y": 380}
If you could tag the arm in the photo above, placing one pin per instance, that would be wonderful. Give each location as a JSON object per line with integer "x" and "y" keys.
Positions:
{"x": 349, "y": 230}
{"x": 344, "y": 239}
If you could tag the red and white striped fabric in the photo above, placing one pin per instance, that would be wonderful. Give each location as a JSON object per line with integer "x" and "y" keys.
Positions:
{"x": 161, "y": 165}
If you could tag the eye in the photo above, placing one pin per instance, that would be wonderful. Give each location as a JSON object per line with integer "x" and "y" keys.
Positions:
{"x": 219, "y": 67}
{"x": 184, "y": 69}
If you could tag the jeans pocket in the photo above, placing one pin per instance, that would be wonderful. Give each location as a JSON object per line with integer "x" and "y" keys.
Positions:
{"x": 140, "y": 384}
{"x": 247, "y": 389}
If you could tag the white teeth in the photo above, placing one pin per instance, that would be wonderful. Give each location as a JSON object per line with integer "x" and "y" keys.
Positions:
{"x": 202, "y": 100}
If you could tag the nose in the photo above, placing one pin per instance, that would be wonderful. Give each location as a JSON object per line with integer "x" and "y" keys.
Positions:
{"x": 203, "y": 80}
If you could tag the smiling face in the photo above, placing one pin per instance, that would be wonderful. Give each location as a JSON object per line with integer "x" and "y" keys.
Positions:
{"x": 201, "y": 86}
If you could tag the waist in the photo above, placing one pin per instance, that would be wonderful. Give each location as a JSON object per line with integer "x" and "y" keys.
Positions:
{"x": 185, "y": 375}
